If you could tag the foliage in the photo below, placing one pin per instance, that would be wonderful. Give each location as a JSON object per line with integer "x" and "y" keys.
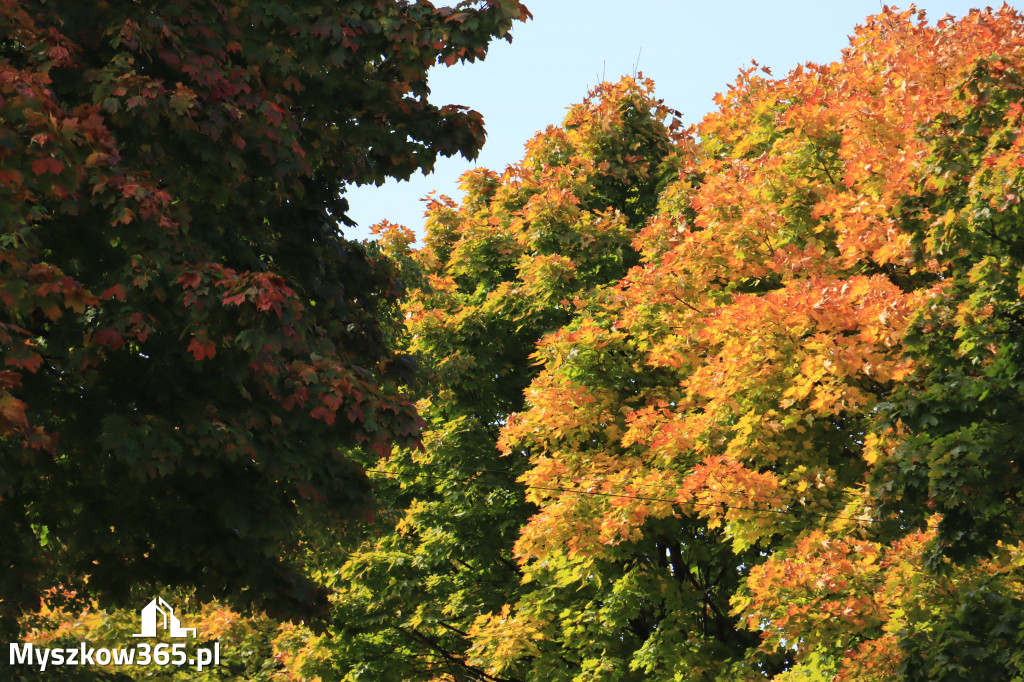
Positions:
{"x": 187, "y": 338}
{"x": 738, "y": 450}
{"x": 497, "y": 272}
{"x": 247, "y": 644}
{"x": 737, "y": 402}
{"x": 963, "y": 457}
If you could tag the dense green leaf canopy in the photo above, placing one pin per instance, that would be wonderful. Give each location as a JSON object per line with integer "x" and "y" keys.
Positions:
{"x": 187, "y": 338}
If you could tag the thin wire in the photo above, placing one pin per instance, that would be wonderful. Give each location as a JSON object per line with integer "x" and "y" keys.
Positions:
{"x": 596, "y": 493}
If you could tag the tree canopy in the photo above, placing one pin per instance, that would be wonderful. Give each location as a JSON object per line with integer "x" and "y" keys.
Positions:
{"x": 499, "y": 270}
{"x": 732, "y": 402}
{"x": 188, "y": 339}
{"x": 784, "y": 445}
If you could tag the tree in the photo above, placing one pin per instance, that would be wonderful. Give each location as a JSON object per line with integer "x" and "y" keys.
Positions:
{"x": 498, "y": 271}
{"x": 963, "y": 457}
{"x": 745, "y": 451}
{"x": 188, "y": 340}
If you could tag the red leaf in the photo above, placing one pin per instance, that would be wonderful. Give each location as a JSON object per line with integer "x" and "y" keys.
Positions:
{"x": 109, "y": 338}
{"x": 116, "y": 291}
{"x": 47, "y": 165}
{"x": 10, "y": 177}
{"x": 9, "y": 379}
{"x": 321, "y": 412}
{"x": 189, "y": 280}
{"x": 23, "y": 358}
{"x": 201, "y": 348}
{"x": 58, "y": 53}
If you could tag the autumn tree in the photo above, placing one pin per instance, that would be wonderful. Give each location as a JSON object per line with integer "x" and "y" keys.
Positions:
{"x": 784, "y": 445}
{"x": 498, "y": 270}
{"x": 188, "y": 340}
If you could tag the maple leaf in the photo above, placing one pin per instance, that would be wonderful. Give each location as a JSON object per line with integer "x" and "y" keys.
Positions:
{"x": 110, "y": 338}
{"x": 201, "y": 348}
{"x": 47, "y": 165}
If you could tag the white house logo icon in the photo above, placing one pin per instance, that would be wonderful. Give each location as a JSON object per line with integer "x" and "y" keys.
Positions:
{"x": 160, "y": 613}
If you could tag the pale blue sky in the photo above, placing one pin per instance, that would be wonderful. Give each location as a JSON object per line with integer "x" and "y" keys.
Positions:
{"x": 690, "y": 49}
